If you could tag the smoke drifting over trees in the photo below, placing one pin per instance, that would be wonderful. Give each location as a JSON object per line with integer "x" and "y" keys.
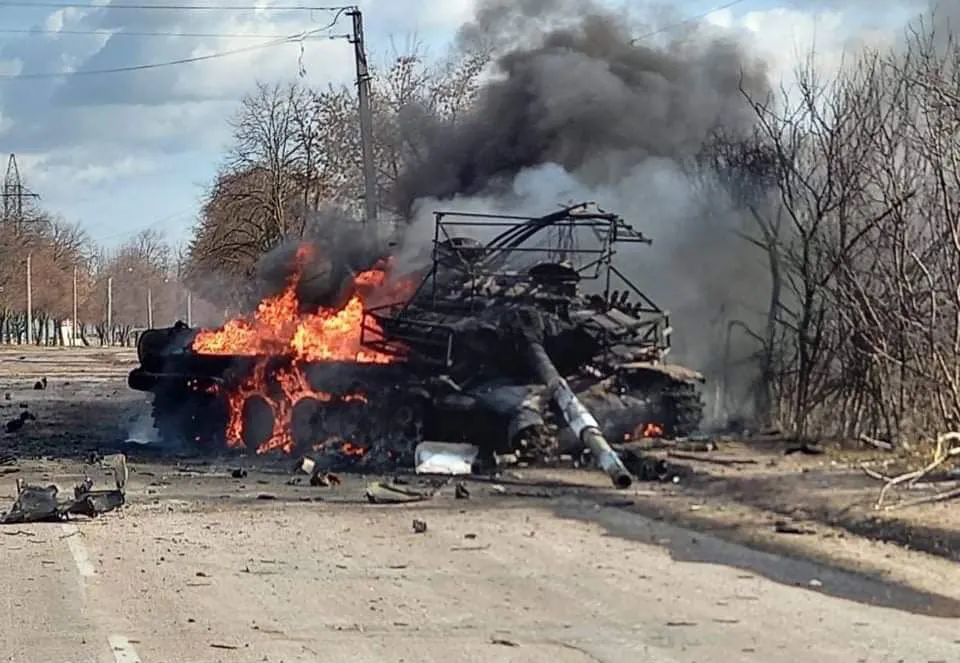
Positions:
{"x": 581, "y": 111}
{"x": 581, "y": 96}
{"x": 576, "y": 111}
{"x": 804, "y": 238}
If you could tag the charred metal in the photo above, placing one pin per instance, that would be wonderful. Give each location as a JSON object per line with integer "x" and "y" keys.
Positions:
{"x": 532, "y": 343}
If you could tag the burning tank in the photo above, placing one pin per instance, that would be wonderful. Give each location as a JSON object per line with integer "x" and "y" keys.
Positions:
{"x": 523, "y": 336}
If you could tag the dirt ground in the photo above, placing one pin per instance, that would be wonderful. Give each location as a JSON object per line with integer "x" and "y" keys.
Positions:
{"x": 808, "y": 492}
{"x": 537, "y": 565}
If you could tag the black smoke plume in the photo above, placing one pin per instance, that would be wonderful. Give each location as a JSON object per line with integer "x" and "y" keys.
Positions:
{"x": 337, "y": 249}
{"x": 579, "y": 92}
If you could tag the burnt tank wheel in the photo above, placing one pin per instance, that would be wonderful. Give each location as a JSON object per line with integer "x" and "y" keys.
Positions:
{"x": 191, "y": 419}
{"x": 650, "y": 398}
{"x": 683, "y": 409}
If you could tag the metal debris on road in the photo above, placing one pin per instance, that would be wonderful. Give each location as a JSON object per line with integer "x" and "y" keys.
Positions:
{"x": 446, "y": 458}
{"x": 419, "y": 526}
{"x": 319, "y": 480}
{"x": 647, "y": 467}
{"x": 306, "y": 465}
{"x": 383, "y": 493}
{"x": 783, "y": 527}
{"x": 238, "y": 473}
{"x": 325, "y": 480}
{"x": 318, "y": 477}
{"x": 462, "y": 492}
{"x": 42, "y": 503}
{"x": 730, "y": 462}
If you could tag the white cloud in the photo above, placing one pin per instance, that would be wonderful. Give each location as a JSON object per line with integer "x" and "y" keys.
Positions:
{"x": 84, "y": 136}
{"x": 416, "y": 15}
{"x": 11, "y": 67}
{"x": 70, "y": 169}
{"x": 784, "y": 37}
{"x": 450, "y": 15}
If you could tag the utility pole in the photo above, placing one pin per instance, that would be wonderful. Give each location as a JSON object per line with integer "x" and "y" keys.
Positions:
{"x": 29, "y": 303}
{"x": 189, "y": 309}
{"x": 73, "y": 340}
{"x": 149, "y": 308}
{"x": 366, "y": 119}
{"x": 109, "y": 310}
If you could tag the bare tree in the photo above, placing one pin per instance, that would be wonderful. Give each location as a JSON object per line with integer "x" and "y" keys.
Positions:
{"x": 268, "y": 145}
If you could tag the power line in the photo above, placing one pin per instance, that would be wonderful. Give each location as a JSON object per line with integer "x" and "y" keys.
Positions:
{"x": 691, "y": 19}
{"x": 128, "y": 234}
{"x": 261, "y": 8}
{"x": 125, "y": 33}
{"x": 290, "y": 39}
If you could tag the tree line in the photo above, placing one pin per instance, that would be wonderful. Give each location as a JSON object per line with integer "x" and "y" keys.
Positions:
{"x": 296, "y": 156}
{"x": 851, "y": 188}
{"x": 115, "y": 292}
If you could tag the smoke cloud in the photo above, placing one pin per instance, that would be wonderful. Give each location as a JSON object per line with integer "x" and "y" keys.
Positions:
{"x": 337, "y": 249}
{"x": 580, "y": 112}
{"x": 582, "y": 96}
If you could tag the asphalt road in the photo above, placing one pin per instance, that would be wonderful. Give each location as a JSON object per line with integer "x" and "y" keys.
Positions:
{"x": 197, "y": 568}
{"x": 200, "y": 570}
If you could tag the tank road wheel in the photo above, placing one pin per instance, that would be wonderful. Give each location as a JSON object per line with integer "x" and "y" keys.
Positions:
{"x": 307, "y": 423}
{"x": 649, "y": 397}
{"x": 258, "y": 421}
{"x": 683, "y": 408}
{"x": 189, "y": 419}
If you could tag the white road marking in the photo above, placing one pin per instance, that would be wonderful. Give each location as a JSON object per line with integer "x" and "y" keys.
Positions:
{"x": 123, "y": 651}
{"x": 79, "y": 551}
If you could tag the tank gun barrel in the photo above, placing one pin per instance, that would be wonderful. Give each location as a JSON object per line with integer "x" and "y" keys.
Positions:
{"x": 581, "y": 422}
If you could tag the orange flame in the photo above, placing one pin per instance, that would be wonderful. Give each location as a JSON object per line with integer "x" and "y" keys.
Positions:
{"x": 644, "y": 431}
{"x": 350, "y": 449}
{"x": 652, "y": 430}
{"x": 277, "y": 327}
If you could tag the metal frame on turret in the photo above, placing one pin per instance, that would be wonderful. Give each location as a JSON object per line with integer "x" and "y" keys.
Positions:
{"x": 497, "y": 258}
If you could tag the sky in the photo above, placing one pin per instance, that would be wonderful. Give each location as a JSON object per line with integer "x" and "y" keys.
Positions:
{"x": 122, "y": 152}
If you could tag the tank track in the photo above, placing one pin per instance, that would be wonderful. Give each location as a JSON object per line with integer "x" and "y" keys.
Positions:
{"x": 683, "y": 409}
